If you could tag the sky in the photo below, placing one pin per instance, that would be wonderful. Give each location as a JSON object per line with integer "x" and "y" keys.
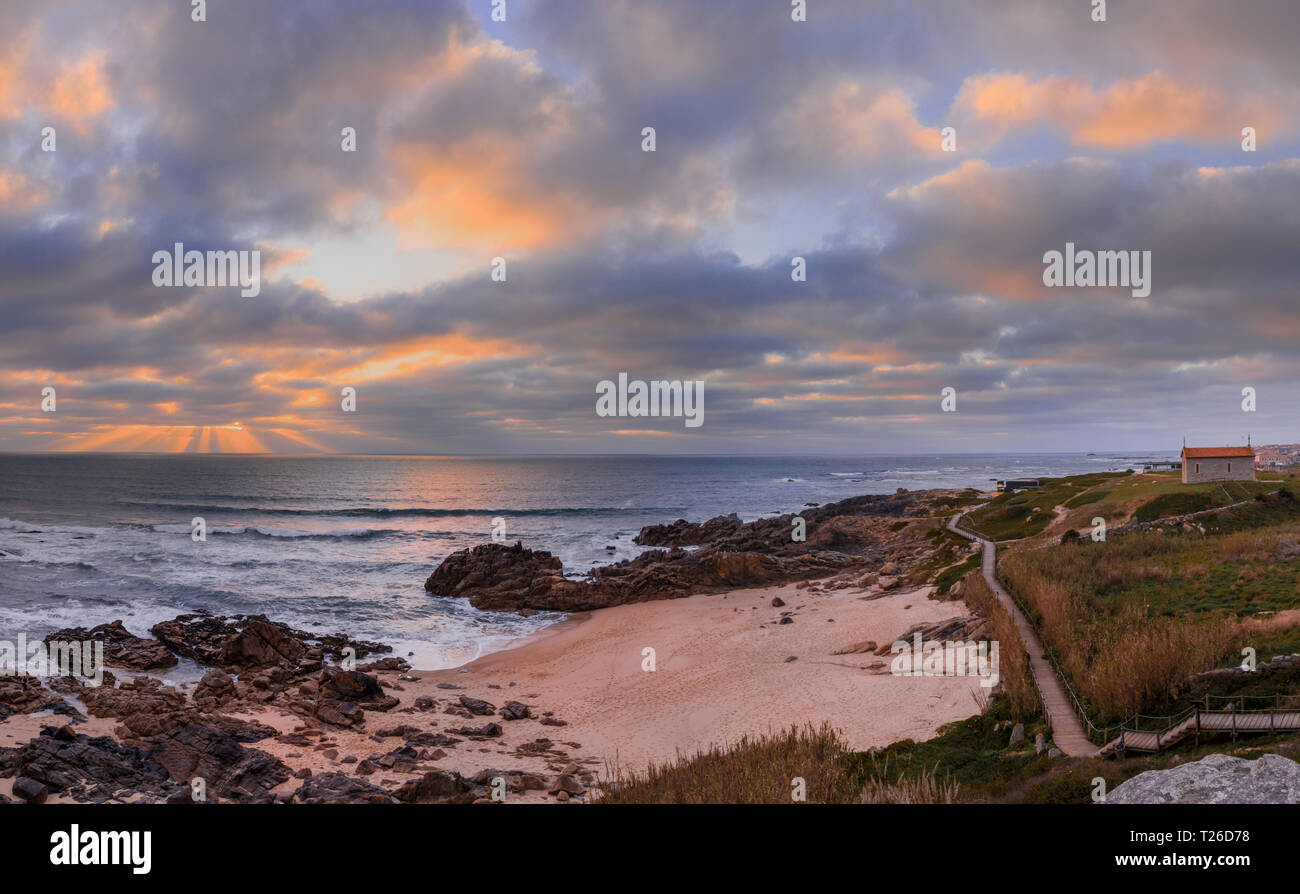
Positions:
{"x": 775, "y": 139}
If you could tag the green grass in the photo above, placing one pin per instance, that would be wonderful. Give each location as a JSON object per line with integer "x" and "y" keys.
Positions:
{"x": 1193, "y": 586}
{"x": 1132, "y": 618}
{"x": 974, "y": 755}
{"x": 1085, "y": 498}
{"x": 945, "y": 579}
{"x": 1116, "y": 496}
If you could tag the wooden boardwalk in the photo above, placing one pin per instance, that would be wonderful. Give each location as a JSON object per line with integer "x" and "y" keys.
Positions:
{"x": 1067, "y": 731}
{"x": 1237, "y": 722}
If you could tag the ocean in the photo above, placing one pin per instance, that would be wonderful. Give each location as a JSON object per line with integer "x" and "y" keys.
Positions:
{"x": 344, "y": 543}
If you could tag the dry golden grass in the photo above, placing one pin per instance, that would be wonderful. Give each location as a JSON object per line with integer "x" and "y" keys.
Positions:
{"x": 1121, "y": 658}
{"x": 755, "y": 770}
{"x": 923, "y": 789}
{"x": 1013, "y": 663}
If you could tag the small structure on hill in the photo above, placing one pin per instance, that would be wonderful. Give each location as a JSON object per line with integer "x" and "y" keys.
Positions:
{"x": 1202, "y": 464}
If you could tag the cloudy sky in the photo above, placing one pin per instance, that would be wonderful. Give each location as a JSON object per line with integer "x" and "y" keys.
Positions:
{"x": 522, "y": 139}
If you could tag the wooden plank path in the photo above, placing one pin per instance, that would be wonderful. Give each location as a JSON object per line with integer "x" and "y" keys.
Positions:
{"x": 1205, "y": 721}
{"x": 1067, "y": 731}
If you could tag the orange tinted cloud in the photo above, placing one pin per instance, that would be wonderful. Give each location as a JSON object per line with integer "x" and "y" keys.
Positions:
{"x": 395, "y": 361}
{"x": 80, "y": 92}
{"x": 17, "y": 193}
{"x": 473, "y": 200}
{"x": 1128, "y": 114}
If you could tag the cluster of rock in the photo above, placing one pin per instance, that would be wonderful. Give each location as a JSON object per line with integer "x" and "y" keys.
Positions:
{"x": 165, "y": 738}
{"x": 726, "y": 554}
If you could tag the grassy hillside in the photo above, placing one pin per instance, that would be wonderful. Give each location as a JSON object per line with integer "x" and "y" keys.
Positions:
{"x": 1072, "y": 503}
{"x": 1132, "y": 618}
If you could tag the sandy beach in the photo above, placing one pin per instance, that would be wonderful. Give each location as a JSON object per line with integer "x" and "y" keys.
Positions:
{"x": 722, "y": 670}
{"x": 724, "y": 666}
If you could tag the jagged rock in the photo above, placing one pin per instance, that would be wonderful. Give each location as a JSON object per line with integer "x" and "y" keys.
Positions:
{"x": 121, "y": 647}
{"x": 437, "y": 787}
{"x": 516, "y": 711}
{"x": 30, "y": 791}
{"x": 229, "y": 769}
{"x": 85, "y": 765}
{"x": 961, "y": 629}
{"x": 340, "y": 788}
{"x": 253, "y": 642}
{"x": 22, "y": 694}
{"x": 567, "y": 784}
{"x": 144, "y": 706}
{"x": 732, "y": 555}
{"x": 1215, "y": 779}
{"x": 684, "y": 533}
{"x": 344, "y": 696}
{"x": 498, "y": 577}
{"x": 488, "y": 730}
{"x": 353, "y": 686}
{"x": 477, "y": 706}
{"x": 215, "y": 689}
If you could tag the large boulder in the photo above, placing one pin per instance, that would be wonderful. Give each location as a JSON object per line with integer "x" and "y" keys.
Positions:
{"x": 1215, "y": 779}
{"x": 498, "y": 577}
{"x": 344, "y": 696}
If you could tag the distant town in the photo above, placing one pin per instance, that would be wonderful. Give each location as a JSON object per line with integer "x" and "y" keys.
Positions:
{"x": 1276, "y": 456}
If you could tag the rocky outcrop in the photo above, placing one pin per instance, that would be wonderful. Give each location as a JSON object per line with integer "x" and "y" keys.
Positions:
{"x": 23, "y": 695}
{"x": 243, "y": 643}
{"x": 1215, "y": 779}
{"x": 684, "y": 533}
{"x": 228, "y": 769}
{"x": 496, "y": 577}
{"x": 121, "y": 647}
{"x": 731, "y": 554}
{"x": 340, "y": 788}
{"x": 87, "y": 769}
{"x": 439, "y": 787}
{"x": 344, "y": 696}
{"x": 963, "y": 629}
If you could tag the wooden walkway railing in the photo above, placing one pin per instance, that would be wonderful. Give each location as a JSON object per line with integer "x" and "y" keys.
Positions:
{"x": 1232, "y": 719}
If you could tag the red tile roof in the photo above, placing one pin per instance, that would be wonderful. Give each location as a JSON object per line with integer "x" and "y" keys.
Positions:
{"x": 1216, "y": 452}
